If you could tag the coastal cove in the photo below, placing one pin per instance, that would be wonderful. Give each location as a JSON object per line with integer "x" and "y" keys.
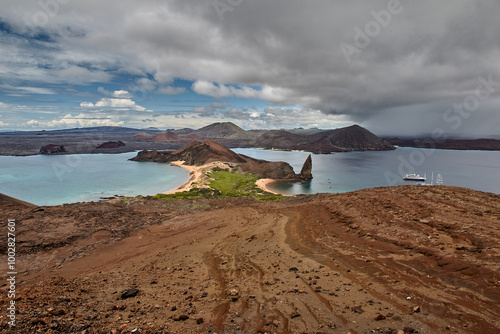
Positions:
{"x": 54, "y": 180}
{"x": 59, "y": 179}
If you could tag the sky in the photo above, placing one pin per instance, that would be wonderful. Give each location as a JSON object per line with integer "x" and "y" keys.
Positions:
{"x": 396, "y": 67}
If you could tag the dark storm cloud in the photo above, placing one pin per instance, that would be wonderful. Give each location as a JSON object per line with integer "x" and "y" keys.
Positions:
{"x": 412, "y": 60}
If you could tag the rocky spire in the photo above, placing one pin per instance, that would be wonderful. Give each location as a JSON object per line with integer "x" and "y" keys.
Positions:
{"x": 305, "y": 172}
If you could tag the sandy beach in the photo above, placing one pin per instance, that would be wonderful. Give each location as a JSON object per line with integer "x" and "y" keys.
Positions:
{"x": 197, "y": 175}
{"x": 263, "y": 183}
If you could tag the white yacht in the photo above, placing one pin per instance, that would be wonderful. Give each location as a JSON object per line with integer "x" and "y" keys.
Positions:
{"x": 414, "y": 177}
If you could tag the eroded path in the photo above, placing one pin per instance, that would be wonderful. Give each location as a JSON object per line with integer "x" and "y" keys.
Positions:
{"x": 405, "y": 258}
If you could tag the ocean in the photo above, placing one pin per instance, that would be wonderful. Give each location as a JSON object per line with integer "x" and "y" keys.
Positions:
{"x": 344, "y": 172}
{"x": 59, "y": 179}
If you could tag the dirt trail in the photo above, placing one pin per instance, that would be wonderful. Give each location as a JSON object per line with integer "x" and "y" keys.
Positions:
{"x": 381, "y": 260}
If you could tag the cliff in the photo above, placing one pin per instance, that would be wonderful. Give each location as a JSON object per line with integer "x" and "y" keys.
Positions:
{"x": 277, "y": 170}
{"x": 200, "y": 153}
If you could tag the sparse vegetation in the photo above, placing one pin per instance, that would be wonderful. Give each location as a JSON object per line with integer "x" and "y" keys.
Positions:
{"x": 218, "y": 169}
{"x": 226, "y": 183}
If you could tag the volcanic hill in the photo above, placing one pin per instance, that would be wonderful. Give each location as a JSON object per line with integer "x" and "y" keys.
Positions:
{"x": 166, "y": 136}
{"x": 224, "y": 130}
{"x": 85, "y": 140}
{"x": 199, "y": 153}
{"x": 352, "y": 138}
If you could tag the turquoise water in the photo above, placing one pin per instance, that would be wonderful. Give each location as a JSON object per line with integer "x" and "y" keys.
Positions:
{"x": 54, "y": 180}
{"x": 59, "y": 179}
{"x": 343, "y": 172}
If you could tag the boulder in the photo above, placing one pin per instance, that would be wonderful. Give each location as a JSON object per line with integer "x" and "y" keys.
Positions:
{"x": 129, "y": 293}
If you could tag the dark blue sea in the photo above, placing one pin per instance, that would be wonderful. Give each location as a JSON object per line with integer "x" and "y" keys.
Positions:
{"x": 343, "y": 172}
{"x": 54, "y": 180}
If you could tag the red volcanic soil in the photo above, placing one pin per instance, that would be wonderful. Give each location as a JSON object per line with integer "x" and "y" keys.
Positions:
{"x": 387, "y": 260}
{"x": 143, "y": 135}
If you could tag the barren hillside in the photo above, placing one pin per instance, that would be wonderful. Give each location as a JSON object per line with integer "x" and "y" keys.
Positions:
{"x": 407, "y": 259}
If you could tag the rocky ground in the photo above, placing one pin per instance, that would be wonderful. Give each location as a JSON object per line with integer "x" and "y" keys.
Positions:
{"x": 408, "y": 259}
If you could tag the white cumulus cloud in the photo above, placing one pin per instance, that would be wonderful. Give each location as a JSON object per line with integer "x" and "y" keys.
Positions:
{"x": 121, "y": 100}
{"x": 81, "y": 120}
{"x": 122, "y": 94}
{"x": 276, "y": 95}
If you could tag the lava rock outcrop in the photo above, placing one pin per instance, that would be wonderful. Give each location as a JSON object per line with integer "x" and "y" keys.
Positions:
{"x": 200, "y": 153}
{"x": 51, "y": 149}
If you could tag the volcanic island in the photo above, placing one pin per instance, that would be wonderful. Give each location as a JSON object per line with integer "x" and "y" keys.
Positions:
{"x": 210, "y": 259}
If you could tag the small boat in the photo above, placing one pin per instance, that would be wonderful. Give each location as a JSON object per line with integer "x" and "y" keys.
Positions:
{"x": 414, "y": 177}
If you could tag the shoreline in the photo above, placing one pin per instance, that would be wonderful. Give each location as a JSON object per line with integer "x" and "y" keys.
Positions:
{"x": 194, "y": 176}
{"x": 263, "y": 183}
{"x": 197, "y": 175}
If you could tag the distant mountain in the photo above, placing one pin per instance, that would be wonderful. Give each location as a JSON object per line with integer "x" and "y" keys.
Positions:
{"x": 352, "y": 138}
{"x": 96, "y": 129}
{"x": 84, "y": 140}
{"x": 107, "y": 129}
{"x": 302, "y": 131}
{"x": 225, "y": 130}
{"x": 485, "y": 144}
{"x": 166, "y": 137}
{"x": 143, "y": 135}
{"x": 183, "y": 132}
{"x": 279, "y": 139}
